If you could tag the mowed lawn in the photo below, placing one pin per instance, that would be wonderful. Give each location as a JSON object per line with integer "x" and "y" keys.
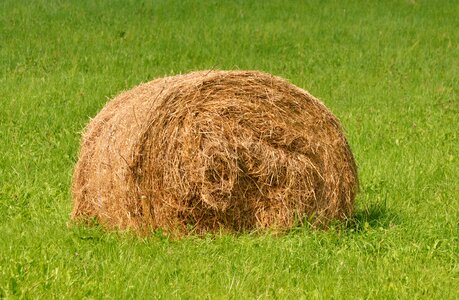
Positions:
{"x": 388, "y": 69}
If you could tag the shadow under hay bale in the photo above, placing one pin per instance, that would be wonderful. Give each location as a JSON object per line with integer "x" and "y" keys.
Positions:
{"x": 231, "y": 150}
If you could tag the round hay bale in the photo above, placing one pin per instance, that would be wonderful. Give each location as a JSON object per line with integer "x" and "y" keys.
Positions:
{"x": 212, "y": 150}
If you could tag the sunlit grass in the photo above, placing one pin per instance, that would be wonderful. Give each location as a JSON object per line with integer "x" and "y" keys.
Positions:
{"x": 388, "y": 70}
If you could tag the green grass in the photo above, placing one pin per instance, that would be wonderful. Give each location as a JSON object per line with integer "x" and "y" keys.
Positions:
{"x": 389, "y": 70}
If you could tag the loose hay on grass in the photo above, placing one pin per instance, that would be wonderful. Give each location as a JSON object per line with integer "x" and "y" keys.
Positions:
{"x": 211, "y": 150}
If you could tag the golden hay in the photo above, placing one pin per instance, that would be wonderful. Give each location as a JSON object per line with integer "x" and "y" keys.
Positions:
{"x": 211, "y": 150}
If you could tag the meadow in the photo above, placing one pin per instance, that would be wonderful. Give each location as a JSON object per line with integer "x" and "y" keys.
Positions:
{"x": 389, "y": 70}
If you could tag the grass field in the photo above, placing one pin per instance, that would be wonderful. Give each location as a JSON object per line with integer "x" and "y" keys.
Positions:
{"x": 388, "y": 69}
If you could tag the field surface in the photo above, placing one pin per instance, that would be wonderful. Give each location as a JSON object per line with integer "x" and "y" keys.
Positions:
{"x": 388, "y": 69}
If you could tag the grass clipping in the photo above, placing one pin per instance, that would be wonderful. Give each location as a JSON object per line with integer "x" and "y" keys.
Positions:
{"x": 214, "y": 150}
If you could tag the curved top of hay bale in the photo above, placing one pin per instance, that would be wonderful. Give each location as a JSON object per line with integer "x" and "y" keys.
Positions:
{"x": 236, "y": 150}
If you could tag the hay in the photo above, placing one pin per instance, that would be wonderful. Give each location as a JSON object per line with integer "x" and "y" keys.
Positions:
{"x": 211, "y": 150}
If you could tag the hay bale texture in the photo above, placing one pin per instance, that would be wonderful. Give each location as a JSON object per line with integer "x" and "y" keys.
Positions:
{"x": 212, "y": 150}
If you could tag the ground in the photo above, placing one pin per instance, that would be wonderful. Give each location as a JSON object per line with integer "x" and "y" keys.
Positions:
{"x": 389, "y": 70}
